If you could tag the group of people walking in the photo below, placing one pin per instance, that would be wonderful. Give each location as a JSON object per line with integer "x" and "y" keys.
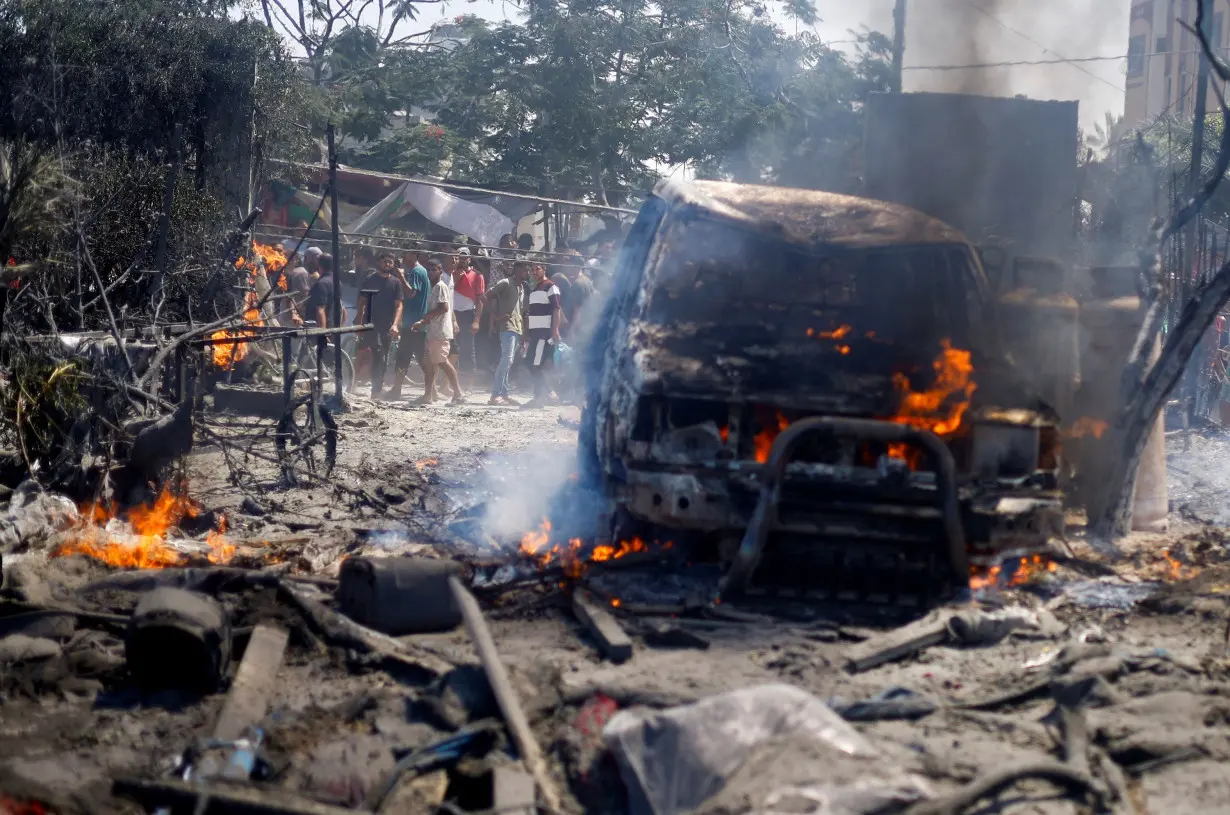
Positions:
{"x": 454, "y": 320}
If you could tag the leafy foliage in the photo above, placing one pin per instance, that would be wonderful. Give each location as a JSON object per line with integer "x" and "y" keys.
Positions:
{"x": 96, "y": 90}
{"x": 600, "y": 95}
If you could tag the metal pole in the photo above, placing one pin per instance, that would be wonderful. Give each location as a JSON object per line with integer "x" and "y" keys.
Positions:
{"x": 336, "y": 316}
{"x": 898, "y": 45}
{"x": 164, "y": 221}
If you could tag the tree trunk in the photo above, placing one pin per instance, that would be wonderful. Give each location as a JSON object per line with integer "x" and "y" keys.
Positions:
{"x": 1111, "y": 514}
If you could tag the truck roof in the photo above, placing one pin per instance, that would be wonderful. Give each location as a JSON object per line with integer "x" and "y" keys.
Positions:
{"x": 811, "y": 217}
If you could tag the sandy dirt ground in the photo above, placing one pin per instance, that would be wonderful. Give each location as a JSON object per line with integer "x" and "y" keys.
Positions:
{"x": 1140, "y": 638}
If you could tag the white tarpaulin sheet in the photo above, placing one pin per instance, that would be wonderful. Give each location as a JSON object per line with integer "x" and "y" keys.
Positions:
{"x": 479, "y": 221}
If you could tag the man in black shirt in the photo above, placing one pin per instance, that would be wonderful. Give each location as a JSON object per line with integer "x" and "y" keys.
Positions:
{"x": 319, "y": 306}
{"x": 385, "y": 314}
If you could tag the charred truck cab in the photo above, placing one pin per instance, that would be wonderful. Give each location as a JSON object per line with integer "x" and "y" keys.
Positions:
{"x": 809, "y": 386}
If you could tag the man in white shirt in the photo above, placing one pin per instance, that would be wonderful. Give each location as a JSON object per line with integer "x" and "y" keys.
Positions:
{"x": 439, "y": 324}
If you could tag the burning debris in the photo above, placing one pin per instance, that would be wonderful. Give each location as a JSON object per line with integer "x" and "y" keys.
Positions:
{"x": 538, "y": 546}
{"x": 147, "y": 536}
{"x": 268, "y": 261}
{"x": 1017, "y": 573}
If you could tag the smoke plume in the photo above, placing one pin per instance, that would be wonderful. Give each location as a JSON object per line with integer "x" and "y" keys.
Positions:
{"x": 978, "y": 32}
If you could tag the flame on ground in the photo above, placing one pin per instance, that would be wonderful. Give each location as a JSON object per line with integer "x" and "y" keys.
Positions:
{"x": 146, "y": 547}
{"x": 536, "y": 545}
{"x": 423, "y": 464}
{"x": 1023, "y": 571}
{"x": 1177, "y": 569}
{"x": 1086, "y": 426}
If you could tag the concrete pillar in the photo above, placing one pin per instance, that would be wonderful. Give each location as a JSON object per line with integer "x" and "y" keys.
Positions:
{"x": 1151, "y": 501}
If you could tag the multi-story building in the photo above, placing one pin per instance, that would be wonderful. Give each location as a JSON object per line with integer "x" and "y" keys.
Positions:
{"x": 1163, "y": 58}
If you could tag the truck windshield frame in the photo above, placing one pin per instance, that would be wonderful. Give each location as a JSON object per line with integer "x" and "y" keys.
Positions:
{"x": 711, "y": 272}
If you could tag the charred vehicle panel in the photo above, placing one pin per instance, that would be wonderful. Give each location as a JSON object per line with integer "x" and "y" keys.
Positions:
{"x": 810, "y": 382}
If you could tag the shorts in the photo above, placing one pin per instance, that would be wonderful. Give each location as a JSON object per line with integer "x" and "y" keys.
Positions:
{"x": 411, "y": 346}
{"x": 437, "y": 351}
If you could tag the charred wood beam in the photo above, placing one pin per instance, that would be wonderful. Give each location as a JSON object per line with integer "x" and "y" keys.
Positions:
{"x": 239, "y": 799}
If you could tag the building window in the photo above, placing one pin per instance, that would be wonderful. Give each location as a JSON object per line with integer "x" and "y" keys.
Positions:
{"x": 1163, "y": 45}
{"x": 1136, "y": 55}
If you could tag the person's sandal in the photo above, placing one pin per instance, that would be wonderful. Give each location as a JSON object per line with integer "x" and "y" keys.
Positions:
{"x": 496, "y": 400}
{"x": 459, "y": 399}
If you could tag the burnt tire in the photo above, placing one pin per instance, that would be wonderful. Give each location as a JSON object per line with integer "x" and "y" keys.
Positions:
{"x": 589, "y": 465}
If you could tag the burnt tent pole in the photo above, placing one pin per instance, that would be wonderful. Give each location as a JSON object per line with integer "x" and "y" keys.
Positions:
{"x": 164, "y": 220}
{"x": 898, "y": 45}
{"x": 336, "y": 316}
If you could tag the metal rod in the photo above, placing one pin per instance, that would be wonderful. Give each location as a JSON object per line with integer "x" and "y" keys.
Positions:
{"x": 336, "y": 316}
{"x": 288, "y": 384}
{"x": 258, "y": 333}
{"x": 898, "y": 45}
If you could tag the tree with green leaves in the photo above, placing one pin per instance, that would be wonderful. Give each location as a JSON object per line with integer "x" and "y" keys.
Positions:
{"x": 97, "y": 91}
{"x": 597, "y": 96}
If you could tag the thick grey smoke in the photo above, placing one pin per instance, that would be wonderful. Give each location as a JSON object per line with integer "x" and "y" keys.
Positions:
{"x": 977, "y": 32}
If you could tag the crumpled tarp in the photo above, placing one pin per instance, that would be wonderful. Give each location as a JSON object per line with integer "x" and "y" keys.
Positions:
{"x": 772, "y": 748}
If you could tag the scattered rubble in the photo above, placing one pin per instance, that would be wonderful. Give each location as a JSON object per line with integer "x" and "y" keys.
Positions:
{"x": 367, "y": 668}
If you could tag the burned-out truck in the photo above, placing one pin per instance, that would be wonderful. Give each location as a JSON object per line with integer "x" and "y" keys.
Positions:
{"x": 807, "y": 387}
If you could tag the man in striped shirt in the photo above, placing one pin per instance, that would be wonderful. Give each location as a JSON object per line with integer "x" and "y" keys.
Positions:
{"x": 542, "y": 321}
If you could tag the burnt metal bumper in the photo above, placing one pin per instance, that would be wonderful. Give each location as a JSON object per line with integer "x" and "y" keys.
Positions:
{"x": 765, "y": 517}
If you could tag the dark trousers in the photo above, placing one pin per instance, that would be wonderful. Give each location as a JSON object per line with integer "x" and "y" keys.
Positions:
{"x": 381, "y": 343}
{"x": 541, "y": 359}
{"x": 467, "y": 362}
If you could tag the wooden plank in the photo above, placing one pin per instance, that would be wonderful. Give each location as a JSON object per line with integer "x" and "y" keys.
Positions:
{"x": 602, "y": 626}
{"x": 897, "y": 644}
{"x": 234, "y": 799}
{"x": 247, "y": 702}
{"x": 512, "y": 791}
{"x": 505, "y": 695}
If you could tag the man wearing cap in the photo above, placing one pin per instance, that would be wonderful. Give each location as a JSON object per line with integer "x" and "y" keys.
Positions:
{"x": 311, "y": 261}
{"x": 468, "y": 290}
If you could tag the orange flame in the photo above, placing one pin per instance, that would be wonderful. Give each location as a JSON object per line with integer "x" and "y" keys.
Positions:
{"x": 1177, "y": 569}
{"x": 226, "y": 355}
{"x": 763, "y": 440}
{"x": 271, "y": 257}
{"x": 536, "y": 545}
{"x": 941, "y": 407}
{"x": 423, "y": 464}
{"x": 1025, "y": 570}
{"x": 1086, "y": 427}
{"x": 837, "y": 333}
{"x": 146, "y": 547}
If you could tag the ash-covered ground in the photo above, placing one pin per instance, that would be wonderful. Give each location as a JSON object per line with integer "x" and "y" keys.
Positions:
{"x": 1136, "y": 645}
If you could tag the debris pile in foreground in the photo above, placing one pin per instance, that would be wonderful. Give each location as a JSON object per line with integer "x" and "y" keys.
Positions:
{"x": 593, "y": 681}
